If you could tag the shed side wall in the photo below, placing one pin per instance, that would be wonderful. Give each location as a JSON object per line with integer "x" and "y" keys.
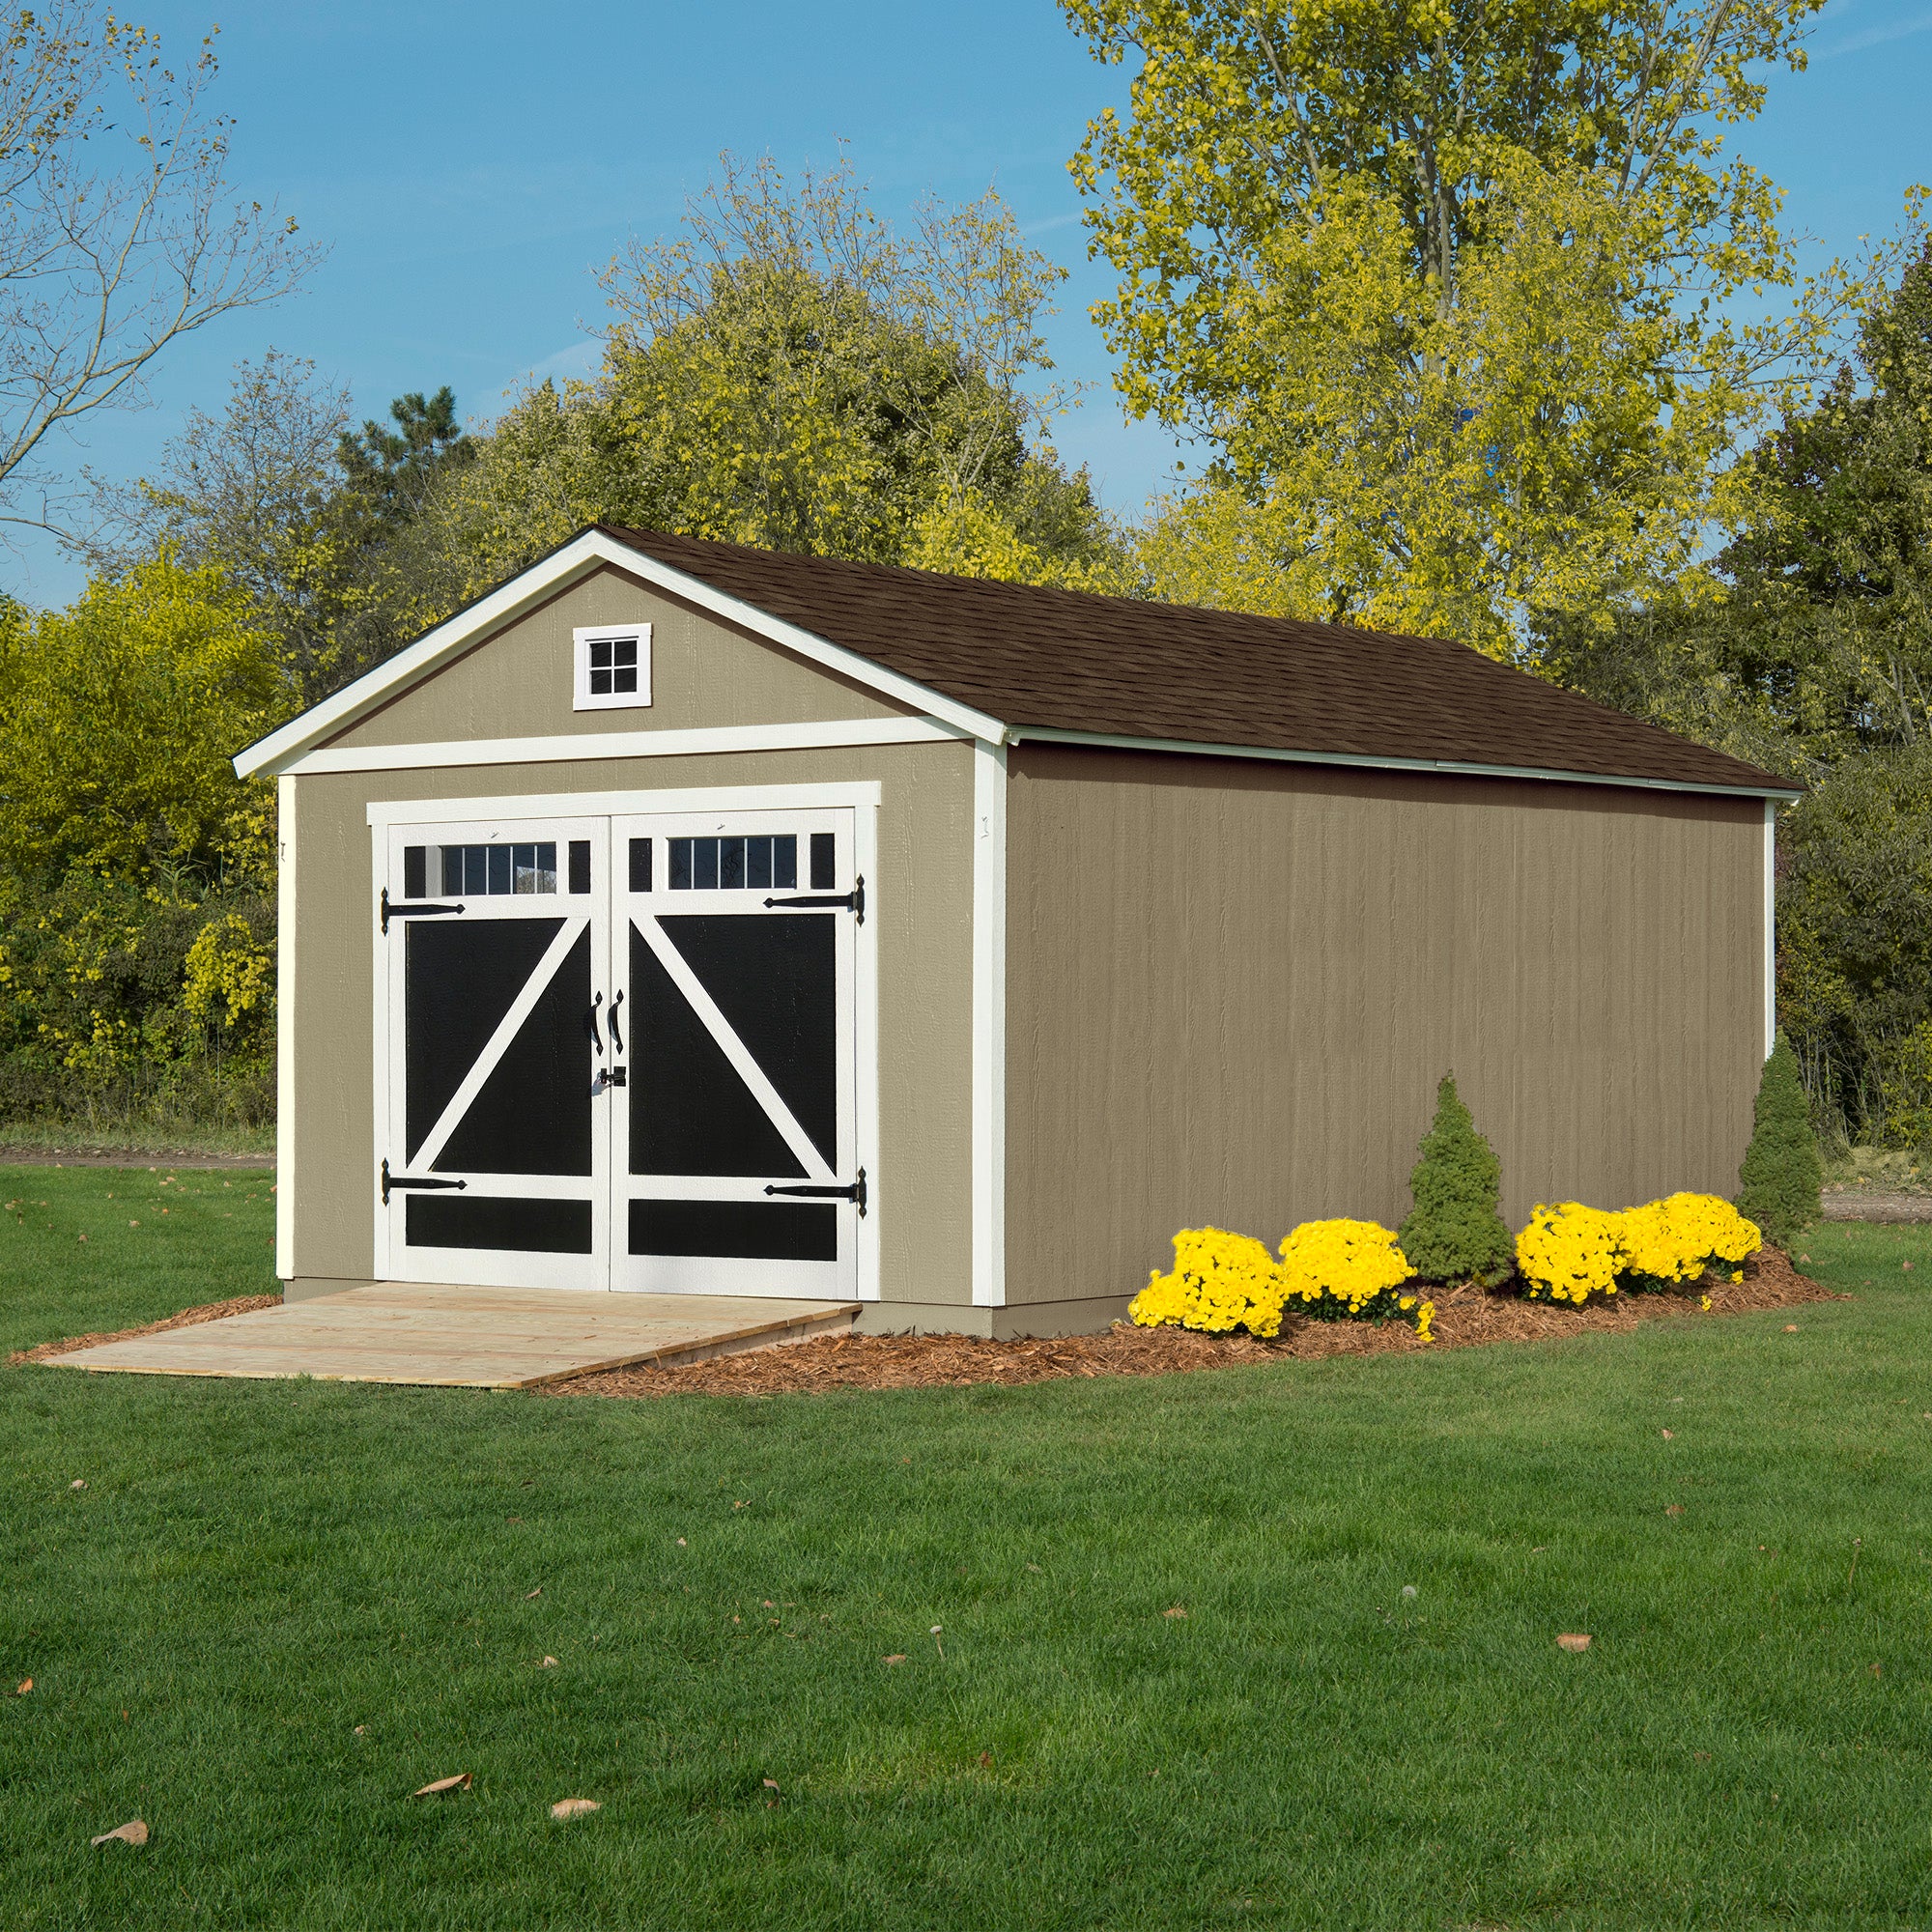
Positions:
{"x": 1232, "y": 989}
{"x": 923, "y": 900}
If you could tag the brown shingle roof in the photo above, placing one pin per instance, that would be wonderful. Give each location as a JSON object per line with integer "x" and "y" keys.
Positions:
{"x": 1062, "y": 660}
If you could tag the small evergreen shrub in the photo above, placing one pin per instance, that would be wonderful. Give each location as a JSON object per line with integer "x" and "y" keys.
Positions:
{"x": 1456, "y": 1230}
{"x": 1782, "y": 1176}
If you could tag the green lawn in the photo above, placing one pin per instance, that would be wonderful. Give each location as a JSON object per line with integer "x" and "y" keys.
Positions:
{"x": 255, "y": 1571}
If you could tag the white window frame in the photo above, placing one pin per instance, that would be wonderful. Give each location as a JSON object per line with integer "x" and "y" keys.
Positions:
{"x": 583, "y": 698}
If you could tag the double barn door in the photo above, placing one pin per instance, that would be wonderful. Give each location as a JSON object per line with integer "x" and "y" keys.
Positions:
{"x": 619, "y": 1052}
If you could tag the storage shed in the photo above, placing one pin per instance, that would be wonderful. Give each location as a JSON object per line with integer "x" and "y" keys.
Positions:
{"x": 689, "y": 918}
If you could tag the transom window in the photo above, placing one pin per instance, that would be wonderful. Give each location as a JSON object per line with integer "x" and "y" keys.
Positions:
{"x": 731, "y": 865}
{"x": 481, "y": 872}
{"x": 614, "y": 668}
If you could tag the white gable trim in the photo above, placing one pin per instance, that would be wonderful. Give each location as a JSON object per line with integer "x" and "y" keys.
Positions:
{"x": 576, "y": 559}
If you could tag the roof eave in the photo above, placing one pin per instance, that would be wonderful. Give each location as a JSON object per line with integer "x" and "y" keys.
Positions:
{"x": 1460, "y": 768}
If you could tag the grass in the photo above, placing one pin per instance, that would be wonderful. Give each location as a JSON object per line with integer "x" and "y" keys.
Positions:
{"x": 255, "y": 1571}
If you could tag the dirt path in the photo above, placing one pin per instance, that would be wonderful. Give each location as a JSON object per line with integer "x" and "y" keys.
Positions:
{"x": 126, "y": 1158}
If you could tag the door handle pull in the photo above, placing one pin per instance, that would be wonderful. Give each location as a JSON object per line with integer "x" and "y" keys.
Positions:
{"x": 595, "y": 1037}
{"x": 617, "y": 1038}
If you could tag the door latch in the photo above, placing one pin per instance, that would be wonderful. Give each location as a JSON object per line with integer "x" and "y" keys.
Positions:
{"x": 608, "y": 1076}
{"x": 856, "y": 1192}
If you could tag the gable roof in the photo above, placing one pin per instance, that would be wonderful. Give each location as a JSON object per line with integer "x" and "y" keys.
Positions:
{"x": 1002, "y": 660}
{"x": 1114, "y": 667}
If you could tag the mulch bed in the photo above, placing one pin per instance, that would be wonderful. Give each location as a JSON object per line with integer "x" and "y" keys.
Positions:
{"x": 188, "y": 1318}
{"x": 1464, "y": 1317}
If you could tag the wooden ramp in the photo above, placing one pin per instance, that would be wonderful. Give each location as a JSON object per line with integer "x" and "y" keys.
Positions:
{"x": 500, "y": 1338}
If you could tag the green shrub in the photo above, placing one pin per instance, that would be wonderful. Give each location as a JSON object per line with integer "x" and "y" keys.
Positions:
{"x": 1780, "y": 1174}
{"x": 1456, "y": 1230}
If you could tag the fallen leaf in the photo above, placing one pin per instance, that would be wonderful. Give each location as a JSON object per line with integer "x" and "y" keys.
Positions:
{"x": 459, "y": 1782}
{"x": 897, "y": 1656}
{"x": 573, "y": 1807}
{"x": 133, "y": 1224}
{"x": 1573, "y": 1640}
{"x": 681, "y": 1543}
{"x": 537, "y": 1592}
{"x": 361, "y": 1730}
{"x": 1791, "y": 1327}
{"x": 548, "y": 1663}
{"x": 741, "y": 1506}
{"x": 78, "y": 1483}
{"x": 1675, "y": 1509}
{"x": 83, "y": 1237}
{"x": 1668, "y": 1437}
{"x": 1175, "y": 1611}
{"x": 134, "y": 1832}
{"x": 768, "y": 1603}
{"x": 1876, "y": 1672}
{"x": 1804, "y": 1258}
{"x": 26, "y": 1685}
{"x": 1702, "y": 1757}
{"x": 770, "y": 1784}
{"x": 1035, "y": 1567}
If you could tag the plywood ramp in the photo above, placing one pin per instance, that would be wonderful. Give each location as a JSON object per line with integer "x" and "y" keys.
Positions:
{"x": 500, "y": 1338}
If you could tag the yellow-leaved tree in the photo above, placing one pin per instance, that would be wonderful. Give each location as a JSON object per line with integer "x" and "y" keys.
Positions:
{"x": 1468, "y": 303}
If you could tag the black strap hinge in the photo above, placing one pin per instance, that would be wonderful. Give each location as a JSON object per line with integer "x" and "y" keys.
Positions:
{"x": 815, "y": 1192}
{"x": 391, "y": 1180}
{"x": 411, "y": 909}
{"x": 852, "y": 901}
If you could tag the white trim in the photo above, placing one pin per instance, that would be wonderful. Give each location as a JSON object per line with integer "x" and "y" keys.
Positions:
{"x": 989, "y": 1026}
{"x": 805, "y": 1151}
{"x": 498, "y": 1043}
{"x": 384, "y": 812}
{"x": 1769, "y": 925}
{"x": 865, "y": 1052}
{"x": 582, "y": 637}
{"x": 1052, "y": 735}
{"x": 576, "y": 559}
{"x": 285, "y": 1029}
{"x": 809, "y": 736}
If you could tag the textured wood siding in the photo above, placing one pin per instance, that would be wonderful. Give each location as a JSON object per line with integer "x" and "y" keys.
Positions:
{"x": 1233, "y": 986}
{"x": 517, "y": 682}
{"x": 922, "y": 902}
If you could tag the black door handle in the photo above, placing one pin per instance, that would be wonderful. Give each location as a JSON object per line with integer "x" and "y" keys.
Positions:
{"x": 590, "y": 1024}
{"x": 855, "y": 1192}
{"x": 617, "y": 1038}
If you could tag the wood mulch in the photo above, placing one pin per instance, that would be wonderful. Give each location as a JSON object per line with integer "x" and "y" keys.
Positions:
{"x": 188, "y": 1318}
{"x": 1464, "y": 1317}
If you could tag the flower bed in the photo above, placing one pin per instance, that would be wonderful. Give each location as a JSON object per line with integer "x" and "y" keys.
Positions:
{"x": 1570, "y": 1252}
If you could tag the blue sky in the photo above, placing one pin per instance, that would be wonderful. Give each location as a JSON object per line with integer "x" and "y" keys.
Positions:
{"x": 468, "y": 167}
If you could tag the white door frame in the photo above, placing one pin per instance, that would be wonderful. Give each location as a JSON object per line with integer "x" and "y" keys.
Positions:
{"x": 862, "y": 796}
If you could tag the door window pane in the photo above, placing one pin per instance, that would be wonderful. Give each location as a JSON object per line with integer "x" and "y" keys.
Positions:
{"x": 640, "y": 864}
{"x": 732, "y": 864}
{"x": 824, "y": 863}
{"x": 415, "y": 872}
{"x": 580, "y": 864}
{"x": 480, "y": 871}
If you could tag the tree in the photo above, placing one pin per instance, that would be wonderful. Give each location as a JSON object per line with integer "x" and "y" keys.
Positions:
{"x": 391, "y": 472}
{"x": 1780, "y": 1174}
{"x": 1456, "y": 1231}
{"x": 251, "y": 493}
{"x": 114, "y": 234}
{"x": 1446, "y": 291}
{"x": 118, "y": 719}
{"x": 789, "y": 371}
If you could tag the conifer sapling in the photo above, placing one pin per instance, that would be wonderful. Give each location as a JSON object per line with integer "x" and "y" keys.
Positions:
{"x": 1781, "y": 1174}
{"x": 1456, "y": 1230}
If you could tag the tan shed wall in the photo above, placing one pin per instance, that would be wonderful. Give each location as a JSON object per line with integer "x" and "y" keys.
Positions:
{"x": 517, "y": 682}
{"x": 922, "y": 902}
{"x": 1233, "y": 986}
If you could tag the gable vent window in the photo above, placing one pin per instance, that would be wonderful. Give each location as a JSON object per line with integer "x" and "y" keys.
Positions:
{"x": 614, "y": 668}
